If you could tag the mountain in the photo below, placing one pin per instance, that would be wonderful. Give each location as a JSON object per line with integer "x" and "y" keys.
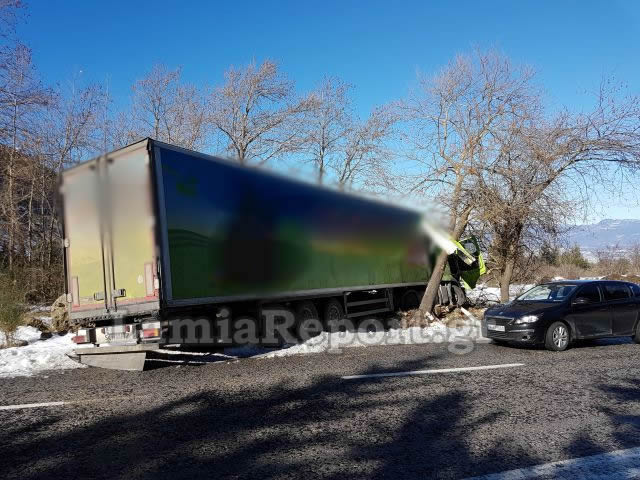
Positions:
{"x": 608, "y": 233}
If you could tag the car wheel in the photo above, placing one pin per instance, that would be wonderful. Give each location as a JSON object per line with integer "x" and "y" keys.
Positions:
{"x": 636, "y": 337}
{"x": 557, "y": 337}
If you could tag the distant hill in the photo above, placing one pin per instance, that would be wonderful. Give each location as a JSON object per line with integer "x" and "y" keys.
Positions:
{"x": 607, "y": 233}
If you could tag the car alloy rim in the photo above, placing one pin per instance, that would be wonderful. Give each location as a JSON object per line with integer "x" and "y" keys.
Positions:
{"x": 560, "y": 336}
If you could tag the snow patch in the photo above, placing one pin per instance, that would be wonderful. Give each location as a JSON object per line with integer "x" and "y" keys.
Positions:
{"x": 38, "y": 356}
{"x": 483, "y": 294}
{"x": 26, "y": 334}
{"x": 334, "y": 342}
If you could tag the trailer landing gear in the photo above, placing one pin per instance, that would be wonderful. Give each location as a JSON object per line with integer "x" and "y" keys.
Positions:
{"x": 125, "y": 357}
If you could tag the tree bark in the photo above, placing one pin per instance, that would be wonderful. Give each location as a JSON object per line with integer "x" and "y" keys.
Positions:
{"x": 505, "y": 279}
{"x": 430, "y": 294}
{"x": 509, "y": 260}
{"x": 429, "y": 298}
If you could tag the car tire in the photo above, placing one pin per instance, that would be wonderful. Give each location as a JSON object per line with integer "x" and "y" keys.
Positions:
{"x": 636, "y": 337}
{"x": 557, "y": 337}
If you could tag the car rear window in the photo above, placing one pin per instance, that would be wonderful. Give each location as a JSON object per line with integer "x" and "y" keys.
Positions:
{"x": 616, "y": 291}
{"x": 636, "y": 290}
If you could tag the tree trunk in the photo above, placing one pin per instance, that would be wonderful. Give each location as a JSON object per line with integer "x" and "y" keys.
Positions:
{"x": 430, "y": 294}
{"x": 429, "y": 298}
{"x": 12, "y": 208}
{"x": 30, "y": 222}
{"x": 505, "y": 279}
{"x": 509, "y": 260}
{"x": 11, "y": 212}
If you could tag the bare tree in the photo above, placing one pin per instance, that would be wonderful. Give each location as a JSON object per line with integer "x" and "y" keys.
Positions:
{"x": 451, "y": 119}
{"x": 327, "y": 124}
{"x": 10, "y": 12}
{"x": 337, "y": 143}
{"x": 570, "y": 153}
{"x": 634, "y": 258}
{"x": 166, "y": 109}
{"x": 21, "y": 97}
{"x": 255, "y": 112}
{"x": 519, "y": 222}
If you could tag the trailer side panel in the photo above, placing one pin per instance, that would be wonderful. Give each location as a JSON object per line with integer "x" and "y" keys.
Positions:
{"x": 232, "y": 230}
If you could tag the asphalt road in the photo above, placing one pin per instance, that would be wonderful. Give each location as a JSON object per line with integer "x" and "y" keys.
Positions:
{"x": 295, "y": 417}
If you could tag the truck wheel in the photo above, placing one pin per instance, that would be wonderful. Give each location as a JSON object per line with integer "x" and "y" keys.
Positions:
{"x": 557, "y": 337}
{"x": 410, "y": 300}
{"x": 306, "y": 310}
{"x": 333, "y": 314}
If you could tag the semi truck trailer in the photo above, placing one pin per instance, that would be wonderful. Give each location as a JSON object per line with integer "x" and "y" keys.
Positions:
{"x": 156, "y": 236}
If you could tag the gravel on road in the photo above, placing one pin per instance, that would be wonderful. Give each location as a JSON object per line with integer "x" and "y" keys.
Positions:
{"x": 295, "y": 417}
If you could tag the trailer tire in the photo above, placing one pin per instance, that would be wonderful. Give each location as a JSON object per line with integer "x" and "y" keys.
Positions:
{"x": 410, "y": 300}
{"x": 306, "y": 310}
{"x": 333, "y": 313}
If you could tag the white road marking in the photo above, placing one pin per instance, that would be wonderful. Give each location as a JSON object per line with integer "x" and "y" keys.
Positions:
{"x": 616, "y": 465}
{"x": 32, "y": 405}
{"x": 430, "y": 372}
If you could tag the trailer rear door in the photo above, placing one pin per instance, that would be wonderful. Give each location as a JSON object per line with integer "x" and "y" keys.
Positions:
{"x": 110, "y": 236}
{"x": 86, "y": 281}
{"x": 132, "y": 229}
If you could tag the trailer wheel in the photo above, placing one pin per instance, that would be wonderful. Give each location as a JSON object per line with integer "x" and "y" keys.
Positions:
{"x": 306, "y": 310}
{"x": 333, "y": 313}
{"x": 410, "y": 300}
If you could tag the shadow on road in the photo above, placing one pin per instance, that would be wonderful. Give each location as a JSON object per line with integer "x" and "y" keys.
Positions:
{"x": 324, "y": 427}
{"x": 330, "y": 428}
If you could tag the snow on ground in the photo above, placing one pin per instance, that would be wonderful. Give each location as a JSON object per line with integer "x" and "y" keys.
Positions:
{"x": 50, "y": 354}
{"x": 484, "y": 294}
{"x": 26, "y": 334}
{"x": 38, "y": 356}
{"x": 459, "y": 339}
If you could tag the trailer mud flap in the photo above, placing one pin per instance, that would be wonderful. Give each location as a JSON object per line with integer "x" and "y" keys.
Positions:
{"x": 126, "y": 357}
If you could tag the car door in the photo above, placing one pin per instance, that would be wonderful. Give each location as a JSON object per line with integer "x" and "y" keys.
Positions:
{"x": 591, "y": 319}
{"x": 623, "y": 307}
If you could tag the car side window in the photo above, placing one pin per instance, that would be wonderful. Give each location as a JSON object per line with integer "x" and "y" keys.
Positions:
{"x": 560, "y": 293}
{"x": 616, "y": 291}
{"x": 589, "y": 291}
{"x": 636, "y": 290}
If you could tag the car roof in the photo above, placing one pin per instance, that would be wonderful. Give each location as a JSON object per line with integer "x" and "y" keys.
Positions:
{"x": 583, "y": 281}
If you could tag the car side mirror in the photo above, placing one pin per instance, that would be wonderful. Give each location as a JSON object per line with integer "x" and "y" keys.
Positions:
{"x": 581, "y": 301}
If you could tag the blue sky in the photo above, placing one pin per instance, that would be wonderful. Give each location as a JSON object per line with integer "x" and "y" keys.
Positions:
{"x": 376, "y": 46}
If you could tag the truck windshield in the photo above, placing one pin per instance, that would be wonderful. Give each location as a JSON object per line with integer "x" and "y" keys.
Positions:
{"x": 547, "y": 293}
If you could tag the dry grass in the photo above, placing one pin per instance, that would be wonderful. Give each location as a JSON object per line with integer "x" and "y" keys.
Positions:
{"x": 11, "y": 308}
{"x": 457, "y": 318}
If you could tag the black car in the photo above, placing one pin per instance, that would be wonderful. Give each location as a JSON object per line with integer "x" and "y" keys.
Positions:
{"x": 556, "y": 313}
